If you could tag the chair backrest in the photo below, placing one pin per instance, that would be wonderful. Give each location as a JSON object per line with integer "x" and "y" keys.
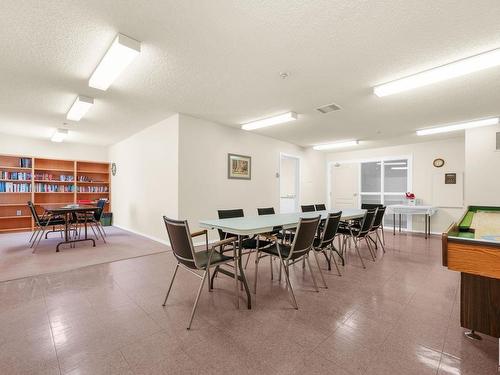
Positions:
{"x": 378, "y": 218}
{"x": 33, "y": 212}
{"x": 366, "y": 206}
{"x": 180, "y": 241}
{"x": 304, "y": 237}
{"x": 331, "y": 227}
{"x": 367, "y": 222}
{"x": 320, "y": 207}
{"x": 228, "y": 214}
{"x": 308, "y": 208}
{"x": 100, "y": 209}
{"x": 266, "y": 211}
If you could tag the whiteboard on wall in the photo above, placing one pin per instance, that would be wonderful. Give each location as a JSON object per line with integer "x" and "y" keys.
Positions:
{"x": 447, "y": 195}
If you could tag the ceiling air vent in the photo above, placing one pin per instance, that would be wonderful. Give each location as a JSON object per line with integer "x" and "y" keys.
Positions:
{"x": 328, "y": 108}
{"x": 498, "y": 141}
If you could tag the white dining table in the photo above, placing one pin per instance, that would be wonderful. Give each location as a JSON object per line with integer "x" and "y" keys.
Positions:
{"x": 253, "y": 225}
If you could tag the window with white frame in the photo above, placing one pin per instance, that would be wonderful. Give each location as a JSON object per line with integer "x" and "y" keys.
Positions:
{"x": 385, "y": 182}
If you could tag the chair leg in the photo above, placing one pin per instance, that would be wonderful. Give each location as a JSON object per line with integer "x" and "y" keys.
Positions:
{"x": 171, "y": 283}
{"x": 287, "y": 279}
{"x": 319, "y": 268}
{"x": 370, "y": 248}
{"x": 312, "y": 273}
{"x": 359, "y": 254}
{"x": 380, "y": 241}
{"x": 99, "y": 229}
{"x": 102, "y": 229}
{"x": 198, "y": 298}
{"x": 248, "y": 258}
{"x": 382, "y": 231}
{"x": 332, "y": 257}
{"x": 36, "y": 234}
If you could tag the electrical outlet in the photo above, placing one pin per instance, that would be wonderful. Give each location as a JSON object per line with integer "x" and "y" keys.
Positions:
{"x": 18, "y": 212}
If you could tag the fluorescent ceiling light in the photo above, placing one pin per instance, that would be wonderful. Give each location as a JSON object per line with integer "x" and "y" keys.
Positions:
{"x": 59, "y": 135}
{"x": 81, "y": 105}
{"x": 121, "y": 53}
{"x": 399, "y": 168}
{"x": 460, "y": 126}
{"x": 441, "y": 73}
{"x": 270, "y": 121}
{"x": 329, "y": 146}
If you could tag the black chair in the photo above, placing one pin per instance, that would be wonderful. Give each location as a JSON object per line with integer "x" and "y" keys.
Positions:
{"x": 357, "y": 233}
{"x": 41, "y": 225}
{"x": 308, "y": 208}
{"x": 291, "y": 254}
{"x": 247, "y": 243}
{"x": 183, "y": 250}
{"x": 277, "y": 231}
{"x": 320, "y": 207}
{"x": 376, "y": 226}
{"x": 325, "y": 242}
{"x": 94, "y": 219}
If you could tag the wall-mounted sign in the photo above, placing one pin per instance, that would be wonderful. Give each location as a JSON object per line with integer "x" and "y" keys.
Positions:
{"x": 450, "y": 178}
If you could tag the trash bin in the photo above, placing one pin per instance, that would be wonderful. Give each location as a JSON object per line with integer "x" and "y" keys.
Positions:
{"x": 107, "y": 219}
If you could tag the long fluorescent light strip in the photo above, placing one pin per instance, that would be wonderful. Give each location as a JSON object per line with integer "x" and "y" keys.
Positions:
{"x": 119, "y": 55}
{"x": 459, "y": 126}
{"x": 270, "y": 121}
{"x": 81, "y": 105}
{"x": 330, "y": 146}
{"x": 59, "y": 135}
{"x": 441, "y": 73}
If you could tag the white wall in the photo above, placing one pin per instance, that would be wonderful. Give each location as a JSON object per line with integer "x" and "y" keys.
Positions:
{"x": 146, "y": 185}
{"x": 15, "y": 145}
{"x": 482, "y": 166}
{"x": 422, "y": 154}
{"x": 203, "y": 184}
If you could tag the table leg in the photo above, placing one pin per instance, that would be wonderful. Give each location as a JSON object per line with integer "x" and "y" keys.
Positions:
{"x": 429, "y": 225}
{"x": 399, "y": 223}
{"x": 393, "y": 224}
{"x": 242, "y": 274}
{"x": 425, "y": 226}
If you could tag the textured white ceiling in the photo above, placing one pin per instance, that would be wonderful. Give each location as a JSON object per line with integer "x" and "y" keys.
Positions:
{"x": 220, "y": 60}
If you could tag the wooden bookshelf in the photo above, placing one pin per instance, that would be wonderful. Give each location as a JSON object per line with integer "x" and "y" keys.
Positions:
{"x": 44, "y": 176}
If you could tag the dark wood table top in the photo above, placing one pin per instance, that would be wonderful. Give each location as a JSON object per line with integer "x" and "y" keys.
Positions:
{"x": 62, "y": 209}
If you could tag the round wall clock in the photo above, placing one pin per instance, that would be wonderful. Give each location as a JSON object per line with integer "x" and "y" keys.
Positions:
{"x": 113, "y": 169}
{"x": 438, "y": 163}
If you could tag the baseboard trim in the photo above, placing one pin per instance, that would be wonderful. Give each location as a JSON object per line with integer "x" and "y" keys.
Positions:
{"x": 162, "y": 241}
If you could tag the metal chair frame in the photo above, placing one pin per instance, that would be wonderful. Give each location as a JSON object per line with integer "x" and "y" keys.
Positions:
{"x": 197, "y": 267}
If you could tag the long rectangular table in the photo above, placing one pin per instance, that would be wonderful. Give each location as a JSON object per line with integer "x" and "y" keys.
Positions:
{"x": 251, "y": 225}
{"x": 405, "y": 209}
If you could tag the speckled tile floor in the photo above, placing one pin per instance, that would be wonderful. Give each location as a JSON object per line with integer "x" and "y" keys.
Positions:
{"x": 398, "y": 316}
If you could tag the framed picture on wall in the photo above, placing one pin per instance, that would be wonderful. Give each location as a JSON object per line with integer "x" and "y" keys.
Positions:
{"x": 239, "y": 167}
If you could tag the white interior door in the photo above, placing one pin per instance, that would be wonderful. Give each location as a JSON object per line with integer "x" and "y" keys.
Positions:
{"x": 344, "y": 185}
{"x": 289, "y": 183}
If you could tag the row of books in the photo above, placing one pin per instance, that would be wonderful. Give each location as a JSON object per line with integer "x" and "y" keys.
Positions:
{"x": 25, "y": 162}
{"x": 51, "y": 177}
{"x": 93, "y": 189}
{"x": 14, "y": 187}
{"x": 53, "y": 188}
{"x": 4, "y": 175}
{"x": 85, "y": 179}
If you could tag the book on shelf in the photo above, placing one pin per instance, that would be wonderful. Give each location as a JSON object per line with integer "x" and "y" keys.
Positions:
{"x": 5, "y": 175}
{"x": 14, "y": 187}
{"x": 53, "y": 188}
{"x": 93, "y": 189}
{"x": 51, "y": 177}
{"x": 25, "y": 162}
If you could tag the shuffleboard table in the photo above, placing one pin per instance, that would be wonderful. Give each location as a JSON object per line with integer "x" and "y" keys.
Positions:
{"x": 472, "y": 247}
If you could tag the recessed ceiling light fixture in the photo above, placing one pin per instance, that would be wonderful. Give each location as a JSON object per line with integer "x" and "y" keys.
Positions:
{"x": 121, "y": 53}
{"x": 59, "y": 135}
{"x": 459, "y": 126}
{"x": 270, "y": 121}
{"x": 441, "y": 73}
{"x": 330, "y": 146}
{"x": 81, "y": 105}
